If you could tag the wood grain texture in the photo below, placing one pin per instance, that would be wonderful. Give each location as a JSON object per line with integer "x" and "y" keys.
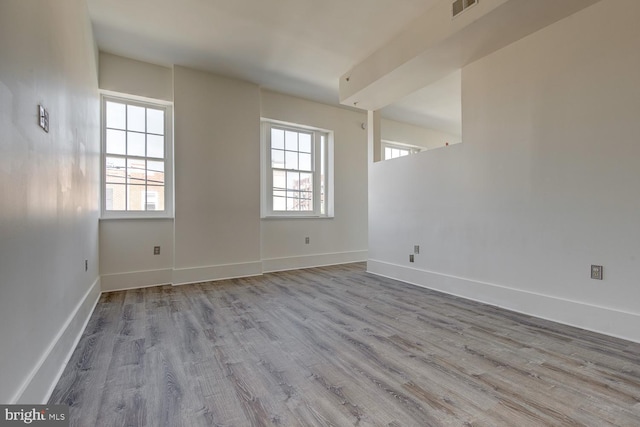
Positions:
{"x": 335, "y": 346}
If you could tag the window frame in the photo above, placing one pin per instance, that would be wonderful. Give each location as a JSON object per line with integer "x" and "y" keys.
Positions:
{"x": 167, "y": 107}
{"x": 412, "y": 149}
{"x": 266, "y": 198}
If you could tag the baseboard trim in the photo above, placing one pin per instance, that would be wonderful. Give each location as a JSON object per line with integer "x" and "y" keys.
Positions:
{"x": 135, "y": 279}
{"x": 316, "y": 260}
{"x": 605, "y": 320}
{"x": 185, "y": 276}
{"x": 37, "y": 388}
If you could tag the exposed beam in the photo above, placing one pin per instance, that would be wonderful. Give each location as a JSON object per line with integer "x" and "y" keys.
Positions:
{"x": 435, "y": 44}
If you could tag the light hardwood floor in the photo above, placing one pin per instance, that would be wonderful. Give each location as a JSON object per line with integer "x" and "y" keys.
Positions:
{"x": 337, "y": 346}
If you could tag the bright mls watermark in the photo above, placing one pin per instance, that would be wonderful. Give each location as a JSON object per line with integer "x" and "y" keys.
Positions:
{"x": 36, "y": 415}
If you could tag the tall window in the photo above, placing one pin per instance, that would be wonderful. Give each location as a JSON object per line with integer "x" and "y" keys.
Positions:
{"x": 296, "y": 170}
{"x": 136, "y": 153}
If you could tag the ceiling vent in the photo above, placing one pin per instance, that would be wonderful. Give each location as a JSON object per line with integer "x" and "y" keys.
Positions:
{"x": 460, "y": 6}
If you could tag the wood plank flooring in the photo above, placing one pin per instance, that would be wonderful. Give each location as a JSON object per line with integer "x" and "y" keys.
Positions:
{"x": 337, "y": 346}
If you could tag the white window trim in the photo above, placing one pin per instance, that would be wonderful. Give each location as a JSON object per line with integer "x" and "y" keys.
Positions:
{"x": 168, "y": 159}
{"x": 266, "y": 195}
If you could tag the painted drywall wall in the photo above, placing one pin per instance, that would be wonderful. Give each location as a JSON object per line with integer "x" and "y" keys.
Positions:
{"x": 129, "y": 76}
{"x": 406, "y": 133}
{"x": 126, "y": 253}
{"x": 217, "y": 177}
{"x": 126, "y": 246}
{"x": 49, "y": 186}
{"x": 545, "y": 184}
{"x": 218, "y": 233}
{"x": 342, "y": 238}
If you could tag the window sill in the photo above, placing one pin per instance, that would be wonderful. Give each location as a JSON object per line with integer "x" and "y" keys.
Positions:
{"x": 279, "y": 217}
{"x": 135, "y": 217}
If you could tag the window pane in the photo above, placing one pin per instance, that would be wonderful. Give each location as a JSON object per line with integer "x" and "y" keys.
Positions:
{"x": 279, "y": 203}
{"x": 155, "y": 173}
{"x": 135, "y": 118}
{"x": 155, "y": 146}
{"x": 116, "y": 142}
{"x": 293, "y": 180}
{"x": 306, "y": 201}
{"x": 305, "y": 143}
{"x": 277, "y": 159}
{"x": 293, "y": 203}
{"x": 136, "y": 197}
{"x": 115, "y": 170}
{"x": 116, "y": 115}
{"x": 291, "y": 140}
{"x": 136, "y": 172}
{"x": 135, "y": 144}
{"x": 279, "y": 181}
{"x": 305, "y": 162}
{"x": 155, "y": 198}
{"x": 277, "y": 138}
{"x": 115, "y": 199}
{"x": 291, "y": 159}
{"x": 387, "y": 153}
{"x": 306, "y": 182}
{"x": 155, "y": 121}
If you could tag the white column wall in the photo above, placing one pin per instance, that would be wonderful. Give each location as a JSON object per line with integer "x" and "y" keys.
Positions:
{"x": 217, "y": 177}
{"x": 545, "y": 184}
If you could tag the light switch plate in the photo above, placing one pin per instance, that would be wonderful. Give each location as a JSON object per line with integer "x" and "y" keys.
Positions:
{"x": 43, "y": 118}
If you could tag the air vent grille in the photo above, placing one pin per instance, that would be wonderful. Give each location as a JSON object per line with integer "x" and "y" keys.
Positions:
{"x": 460, "y": 6}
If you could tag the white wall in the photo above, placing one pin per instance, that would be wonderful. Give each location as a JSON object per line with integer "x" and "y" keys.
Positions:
{"x": 218, "y": 232}
{"x": 126, "y": 253}
{"x": 217, "y": 177}
{"x": 332, "y": 240}
{"x": 49, "y": 185}
{"x": 129, "y": 76}
{"x": 126, "y": 246}
{"x": 545, "y": 185}
{"x": 406, "y": 133}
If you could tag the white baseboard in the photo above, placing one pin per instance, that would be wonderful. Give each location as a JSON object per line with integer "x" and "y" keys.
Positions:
{"x": 45, "y": 375}
{"x": 185, "y": 276}
{"x": 135, "y": 279}
{"x": 595, "y": 318}
{"x": 315, "y": 260}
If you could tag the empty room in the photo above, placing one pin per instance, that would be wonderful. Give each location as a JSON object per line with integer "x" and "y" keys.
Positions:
{"x": 315, "y": 213}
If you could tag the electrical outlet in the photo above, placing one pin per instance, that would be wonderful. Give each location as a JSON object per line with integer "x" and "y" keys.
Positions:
{"x": 156, "y": 250}
{"x": 306, "y": 240}
{"x": 596, "y": 272}
{"x": 86, "y": 265}
{"x": 411, "y": 258}
{"x": 416, "y": 249}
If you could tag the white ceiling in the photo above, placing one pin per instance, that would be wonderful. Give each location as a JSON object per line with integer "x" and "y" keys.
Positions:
{"x": 437, "y": 106}
{"x": 298, "y": 47}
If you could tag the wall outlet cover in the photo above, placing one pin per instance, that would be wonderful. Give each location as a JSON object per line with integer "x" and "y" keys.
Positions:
{"x": 596, "y": 272}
